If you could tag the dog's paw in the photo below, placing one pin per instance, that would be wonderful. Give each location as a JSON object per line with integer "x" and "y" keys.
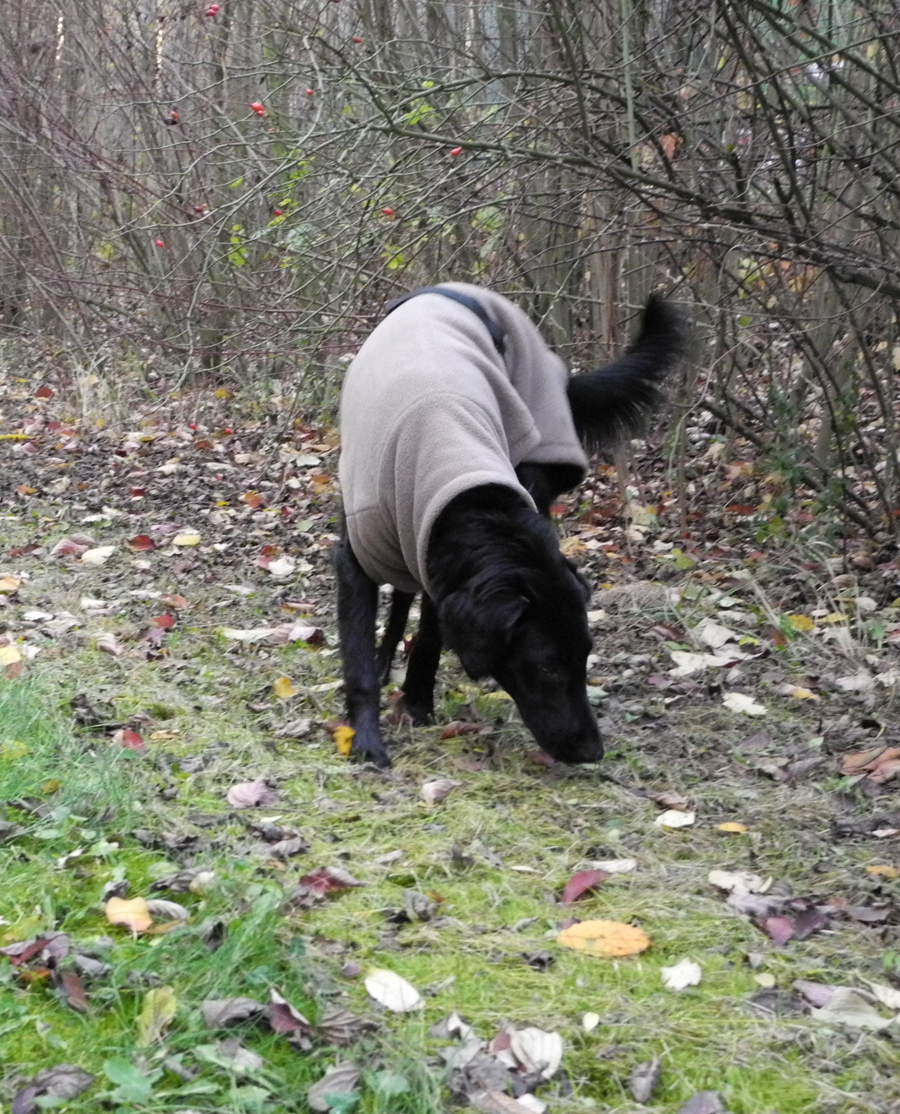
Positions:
{"x": 370, "y": 750}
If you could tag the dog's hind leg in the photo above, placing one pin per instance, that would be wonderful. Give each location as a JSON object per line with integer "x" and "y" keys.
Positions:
{"x": 418, "y": 688}
{"x": 357, "y": 598}
{"x": 393, "y": 633}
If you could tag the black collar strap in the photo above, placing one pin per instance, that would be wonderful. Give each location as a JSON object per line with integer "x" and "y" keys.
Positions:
{"x": 472, "y": 304}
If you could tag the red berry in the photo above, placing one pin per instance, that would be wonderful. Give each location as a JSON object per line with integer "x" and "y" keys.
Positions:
{"x": 277, "y": 212}
{"x": 160, "y": 244}
{"x": 258, "y": 107}
{"x": 357, "y": 39}
{"x": 191, "y": 425}
{"x": 456, "y": 151}
{"x": 226, "y": 430}
{"x": 388, "y": 212}
{"x": 309, "y": 92}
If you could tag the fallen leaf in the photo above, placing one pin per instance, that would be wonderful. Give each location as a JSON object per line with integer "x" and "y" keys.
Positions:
{"x": 168, "y": 910}
{"x": 343, "y": 739}
{"x": 590, "y": 1021}
{"x": 615, "y": 866}
{"x": 131, "y": 913}
{"x": 671, "y": 799}
{"x": 801, "y": 622}
{"x": 733, "y": 826}
{"x": 432, "y": 792}
{"x": 284, "y": 688}
{"x": 674, "y": 818}
{"x": 604, "y": 938}
{"x": 62, "y": 1081}
{"x": 9, "y": 584}
{"x": 284, "y": 1018}
{"x": 220, "y": 1012}
{"x": 281, "y": 568}
{"x": 140, "y": 543}
{"x": 459, "y": 727}
{"x": 886, "y": 995}
{"x": 778, "y": 929}
{"x": 251, "y": 794}
{"x": 537, "y": 1052}
{"x": 883, "y": 870}
{"x": 73, "y": 991}
{"x": 685, "y": 973}
{"x": 703, "y": 1102}
{"x": 393, "y": 991}
{"x": 157, "y": 1014}
{"x": 644, "y": 1080}
{"x": 737, "y": 881}
{"x": 745, "y": 705}
{"x": 128, "y": 739}
{"x": 847, "y": 1007}
{"x": 581, "y": 883}
{"x": 186, "y": 539}
{"x": 97, "y": 556}
{"x": 10, "y": 655}
{"x": 230, "y": 1054}
{"x": 798, "y": 692}
{"x": 326, "y": 880}
{"x": 863, "y": 681}
{"x": 341, "y": 1079}
{"x": 714, "y": 634}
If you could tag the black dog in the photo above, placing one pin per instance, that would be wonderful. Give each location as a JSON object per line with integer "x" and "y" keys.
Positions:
{"x": 500, "y": 593}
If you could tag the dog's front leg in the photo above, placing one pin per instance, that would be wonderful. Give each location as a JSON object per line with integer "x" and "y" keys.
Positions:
{"x": 357, "y": 598}
{"x": 424, "y": 658}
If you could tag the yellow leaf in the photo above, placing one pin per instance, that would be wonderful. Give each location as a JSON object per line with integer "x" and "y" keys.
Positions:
{"x": 571, "y": 547}
{"x": 132, "y": 913}
{"x": 801, "y": 622}
{"x": 224, "y": 392}
{"x": 733, "y": 826}
{"x": 284, "y": 689}
{"x": 800, "y": 693}
{"x": 51, "y": 786}
{"x": 12, "y": 751}
{"x": 9, "y": 584}
{"x": 188, "y": 537}
{"x": 9, "y": 655}
{"x": 156, "y": 1015}
{"x": 883, "y": 870}
{"x": 604, "y": 938}
{"x": 343, "y": 739}
{"x": 834, "y": 617}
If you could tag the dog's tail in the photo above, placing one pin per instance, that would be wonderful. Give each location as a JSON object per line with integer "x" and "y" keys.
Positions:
{"x": 613, "y": 401}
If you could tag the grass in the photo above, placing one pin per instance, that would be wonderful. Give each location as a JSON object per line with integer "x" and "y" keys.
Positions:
{"x": 492, "y": 857}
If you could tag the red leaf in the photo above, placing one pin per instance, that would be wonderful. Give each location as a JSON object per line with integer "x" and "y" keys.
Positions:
{"x": 140, "y": 543}
{"x": 43, "y": 392}
{"x": 165, "y": 621}
{"x": 458, "y": 727}
{"x": 581, "y": 883}
{"x": 327, "y": 879}
{"x": 129, "y": 740}
{"x": 21, "y": 953}
{"x": 73, "y": 991}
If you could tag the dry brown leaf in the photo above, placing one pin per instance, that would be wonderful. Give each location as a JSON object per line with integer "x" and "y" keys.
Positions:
{"x": 604, "y": 938}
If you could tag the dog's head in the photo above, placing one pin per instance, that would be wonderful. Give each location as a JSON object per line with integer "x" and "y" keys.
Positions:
{"x": 527, "y": 628}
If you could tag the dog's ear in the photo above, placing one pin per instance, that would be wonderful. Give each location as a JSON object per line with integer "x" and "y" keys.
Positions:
{"x": 478, "y": 624}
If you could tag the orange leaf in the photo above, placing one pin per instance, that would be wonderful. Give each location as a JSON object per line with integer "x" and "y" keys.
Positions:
{"x": 883, "y": 870}
{"x": 604, "y": 938}
{"x": 132, "y": 913}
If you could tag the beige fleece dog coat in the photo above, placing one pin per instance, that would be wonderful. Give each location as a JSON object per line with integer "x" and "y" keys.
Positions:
{"x": 430, "y": 409}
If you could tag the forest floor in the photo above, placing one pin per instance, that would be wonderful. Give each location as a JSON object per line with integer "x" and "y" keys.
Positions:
{"x": 197, "y": 885}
